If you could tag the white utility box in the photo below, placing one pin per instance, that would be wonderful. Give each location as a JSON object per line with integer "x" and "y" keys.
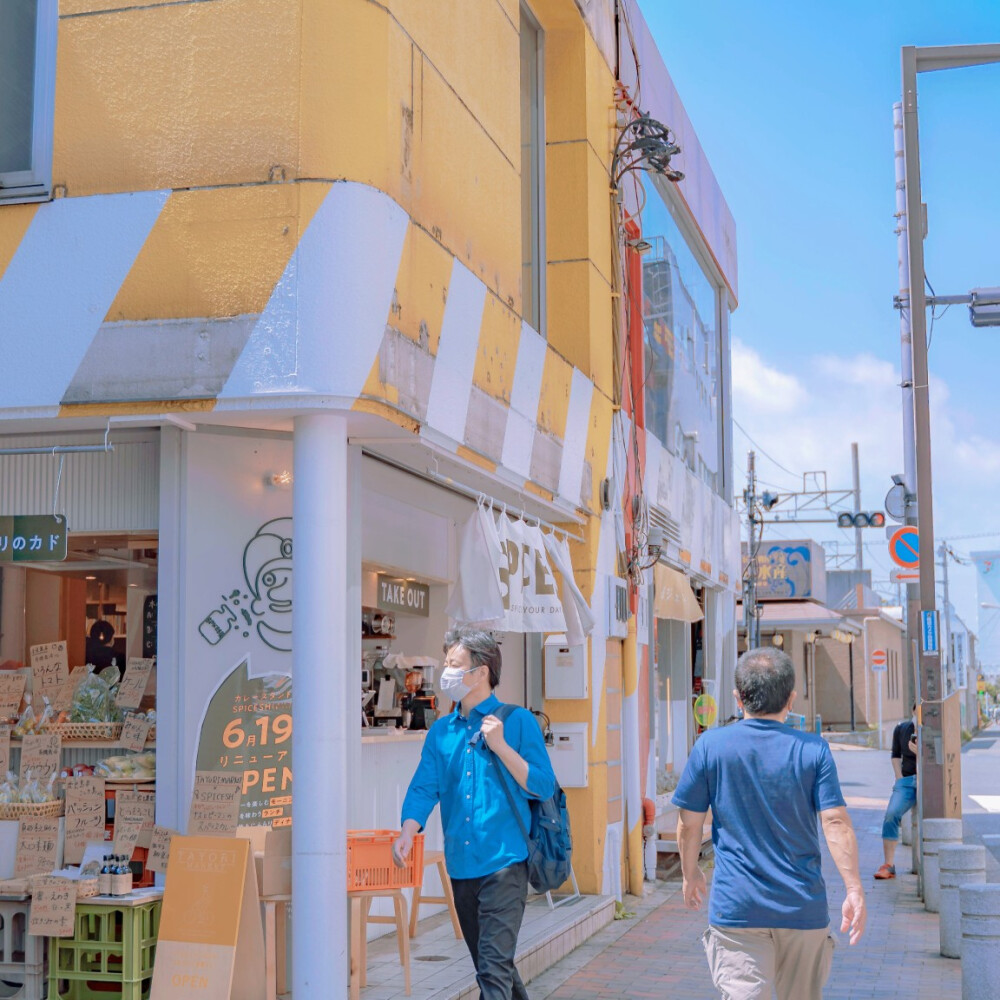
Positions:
{"x": 565, "y": 669}
{"x": 568, "y": 753}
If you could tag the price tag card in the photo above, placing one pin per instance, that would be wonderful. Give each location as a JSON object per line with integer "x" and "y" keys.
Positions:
{"x": 134, "y": 732}
{"x": 134, "y": 820}
{"x": 5, "y": 732}
{"x": 37, "y": 846}
{"x": 53, "y": 907}
{"x": 40, "y": 753}
{"x": 50, "y": 670}
{"x": 84, "y": 816}
{"x": 133, "y": 684}
{"x": 65, "y": 697}
{"x": 159, "y": 848}
{"x": 215, "y": 804}
{"x": 11, "y": 693}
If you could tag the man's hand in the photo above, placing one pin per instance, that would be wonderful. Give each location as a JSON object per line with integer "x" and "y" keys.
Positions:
{"x": 492, "y": 730}
{"x": 854, "y": 914}
{"x": 403, "y": 844}
{"x": 694, "y": 889}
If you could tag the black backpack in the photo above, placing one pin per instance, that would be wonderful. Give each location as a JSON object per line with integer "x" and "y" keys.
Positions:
{"x": 550, "y": 843}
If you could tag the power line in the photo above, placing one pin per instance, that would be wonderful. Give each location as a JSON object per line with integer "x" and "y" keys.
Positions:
{"x": 795, "y": 475}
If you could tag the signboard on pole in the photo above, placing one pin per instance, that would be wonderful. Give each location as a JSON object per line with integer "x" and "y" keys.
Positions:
{"x": 929, "y": 631}
{"x": 905, "y": 576}
{"x": 879, "y": 659}
{"x": 904, "y": 547}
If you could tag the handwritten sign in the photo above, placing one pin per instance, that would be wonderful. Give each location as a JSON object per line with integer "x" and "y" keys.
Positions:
{"x": 5, "y": 749}
{"x": 11, "y": 693}
{"x": 134, "y": 732}
{"x": 84, "y": 815}
{"x": 134, "y": 820}
{"x": 50, "y": 670}
{"x": 133, "y": 684}
{"x": 53, "y": 907}
{"x": 215, "y": 804}
{"x": 159, "y": 848}
{"x": 64, "y": 698}
{"x": 37, "y": 846}
{"x": 40, "y": 753}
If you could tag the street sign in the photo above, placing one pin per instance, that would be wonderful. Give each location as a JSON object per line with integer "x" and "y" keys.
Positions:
{"x": 929, "y": 631}
{"x": 904, "y": 547}
{"x": 705, "y": 710}
{"x": 905, "y": 576}
{"x": 879, "y": 659}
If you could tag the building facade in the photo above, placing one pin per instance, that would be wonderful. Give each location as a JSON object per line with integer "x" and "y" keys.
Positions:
{"x": 361, "y": 273}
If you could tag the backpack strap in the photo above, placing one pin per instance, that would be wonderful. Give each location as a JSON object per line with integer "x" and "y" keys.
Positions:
{"x": 503, "y": 713}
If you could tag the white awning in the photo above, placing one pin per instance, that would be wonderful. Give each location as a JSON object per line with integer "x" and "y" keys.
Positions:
{"x": 674, "y": 599}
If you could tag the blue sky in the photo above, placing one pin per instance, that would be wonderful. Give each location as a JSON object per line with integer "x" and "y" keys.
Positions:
{"x": 793, "y": 105}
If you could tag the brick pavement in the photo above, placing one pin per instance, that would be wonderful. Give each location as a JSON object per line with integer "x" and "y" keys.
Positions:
{"x": 658, "y": 952}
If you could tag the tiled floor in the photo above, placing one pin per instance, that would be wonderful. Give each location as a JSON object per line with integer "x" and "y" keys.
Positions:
{"x": 440, "y": 966}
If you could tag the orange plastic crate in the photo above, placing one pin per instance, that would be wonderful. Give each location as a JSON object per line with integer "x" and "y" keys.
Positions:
{"x": 370, "y": 865}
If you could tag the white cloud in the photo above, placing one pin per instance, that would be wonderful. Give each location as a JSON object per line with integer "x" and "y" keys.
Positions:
{"x": 805, "y": 413}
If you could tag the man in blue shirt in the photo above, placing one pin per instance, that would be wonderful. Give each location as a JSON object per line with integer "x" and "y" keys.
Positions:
{"x": 484, "y": 848}
{"x": 766, "y": 784}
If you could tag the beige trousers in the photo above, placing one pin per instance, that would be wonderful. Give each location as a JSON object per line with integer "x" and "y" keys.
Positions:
{"x": 748, "y": 962}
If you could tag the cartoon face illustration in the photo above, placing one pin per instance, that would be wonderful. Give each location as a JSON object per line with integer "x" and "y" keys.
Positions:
{"x": 267, "y": 567}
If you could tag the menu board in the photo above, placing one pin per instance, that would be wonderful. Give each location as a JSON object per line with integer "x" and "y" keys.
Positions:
{"x": 134, "y": 732}
{"x": 159, "y": 848}
{"x": 215, "y": 804}
{"x": 53, "y": 907}
{"x": 40, "y": 754}
{"x": 37, "y": 846}
{"x": 134, "y": 820}
{"x": 133, "y": 684}
{"x": 11, "y": 693}
{"x": 210, "y": 935}
{"x": 50, "y": 670}
{"x": 5, "y": 749}
{"x": 84, "y": 815}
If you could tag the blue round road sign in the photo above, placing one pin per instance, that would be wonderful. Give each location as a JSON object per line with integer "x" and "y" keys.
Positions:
{"x": 904, "y": 547}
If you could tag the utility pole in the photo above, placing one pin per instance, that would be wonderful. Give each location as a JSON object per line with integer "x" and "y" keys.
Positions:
{"x": 858, "y": 545}
{"x": 751, "y": 610}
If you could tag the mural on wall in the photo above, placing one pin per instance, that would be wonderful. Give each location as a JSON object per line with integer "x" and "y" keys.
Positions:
{"x": 784, "y": 571}
{"x": 263, "y": 603}
{"x": 247, "y": 730}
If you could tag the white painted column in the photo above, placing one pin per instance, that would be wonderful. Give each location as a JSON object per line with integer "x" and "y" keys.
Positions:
{"x": 324, "y": 720}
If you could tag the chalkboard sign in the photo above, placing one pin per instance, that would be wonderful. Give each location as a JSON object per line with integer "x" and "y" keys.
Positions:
{"x": 149, "y": 626}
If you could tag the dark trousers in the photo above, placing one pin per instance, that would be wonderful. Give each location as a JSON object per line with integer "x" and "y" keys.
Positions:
{"x": 490, "y": 910}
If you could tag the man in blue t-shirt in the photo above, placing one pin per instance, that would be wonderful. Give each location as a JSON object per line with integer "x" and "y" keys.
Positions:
{"x": 766, "y": 784}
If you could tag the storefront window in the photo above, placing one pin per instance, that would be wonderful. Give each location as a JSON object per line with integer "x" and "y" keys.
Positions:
{"x": 683, "y": 344}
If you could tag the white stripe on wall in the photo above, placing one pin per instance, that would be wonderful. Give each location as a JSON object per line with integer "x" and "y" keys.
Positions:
{"x": 60, "y": 284}
{"x": 323, "y": 325}
{"x": 575, "y": 442}
{"x": 519, "y": 437}
{"x": 451, "y": 384}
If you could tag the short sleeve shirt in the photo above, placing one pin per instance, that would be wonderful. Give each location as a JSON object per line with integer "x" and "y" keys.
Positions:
{"x": 765, "y": 784}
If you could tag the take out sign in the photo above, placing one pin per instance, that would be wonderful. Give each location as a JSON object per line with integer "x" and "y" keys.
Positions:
{"x": 403, "y": 595}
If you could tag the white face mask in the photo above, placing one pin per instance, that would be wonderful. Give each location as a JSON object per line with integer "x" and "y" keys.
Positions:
{"x": 453, "y": 684}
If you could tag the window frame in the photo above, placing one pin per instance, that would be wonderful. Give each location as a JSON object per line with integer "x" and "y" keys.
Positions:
{"x": 537, "y": 196}
{"x": 35, "y": 183}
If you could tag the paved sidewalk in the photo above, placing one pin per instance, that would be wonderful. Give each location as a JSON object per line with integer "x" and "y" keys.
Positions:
{"x": 658, "y": 952}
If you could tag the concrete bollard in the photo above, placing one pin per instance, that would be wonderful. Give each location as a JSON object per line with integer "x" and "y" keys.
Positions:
{"x": 980, "y": 905}
{"x": 958, "y": 866}
{"x": 937, "y": 834}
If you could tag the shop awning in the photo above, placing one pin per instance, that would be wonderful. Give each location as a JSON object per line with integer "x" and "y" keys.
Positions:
{"x": 674, "y": 598}
{"x": 803, "y": 615}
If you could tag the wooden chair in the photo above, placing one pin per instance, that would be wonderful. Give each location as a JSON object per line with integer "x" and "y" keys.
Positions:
{"x": 448, "y": 899}
{"x": 360, "y": 918}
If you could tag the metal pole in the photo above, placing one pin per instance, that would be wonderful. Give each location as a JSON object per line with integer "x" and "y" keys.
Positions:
{"x": 858, "y": 545}
{"x": 948, "y": 668}
{"x": 911, "y": 616}
{"x": 751, "y": 616}
{"x": 850, "y": 671}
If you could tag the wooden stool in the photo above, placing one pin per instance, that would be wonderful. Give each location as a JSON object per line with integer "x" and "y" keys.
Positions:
{"x": 360, "y": 918}
{"x": 448, "y": 899}
{"x": 275, "y": 940}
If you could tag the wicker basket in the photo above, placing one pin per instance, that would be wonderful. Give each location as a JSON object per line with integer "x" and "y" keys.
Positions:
{"x": 88, "y": 730}
{"x": 370, "y": 864}
{"x": 30, "y": 810}
{"x": 86, "y": 887}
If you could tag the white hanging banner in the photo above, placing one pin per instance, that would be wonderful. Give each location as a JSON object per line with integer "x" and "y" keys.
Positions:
{"x": 579, "y": 618}
{"x": 476, "y": 596}
{"x": 527, "y": 585}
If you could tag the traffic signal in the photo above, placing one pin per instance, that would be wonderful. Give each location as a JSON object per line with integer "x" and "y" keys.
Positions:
{"x": 864, "y": 519}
